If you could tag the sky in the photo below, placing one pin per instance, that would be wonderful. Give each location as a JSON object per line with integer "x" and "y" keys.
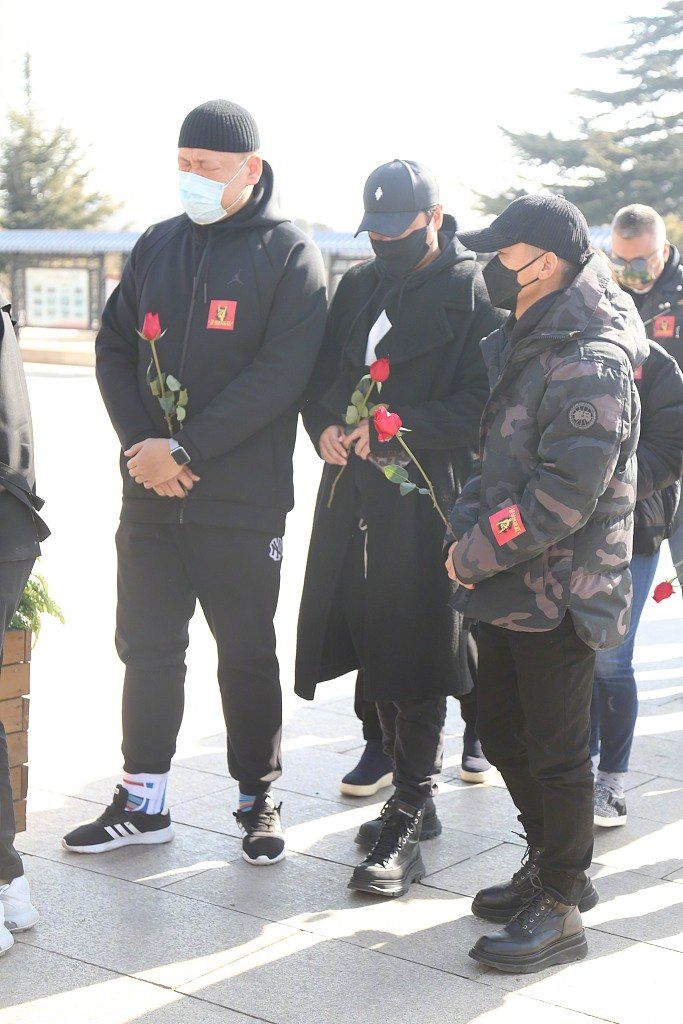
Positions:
{"x": 336, "y": 89}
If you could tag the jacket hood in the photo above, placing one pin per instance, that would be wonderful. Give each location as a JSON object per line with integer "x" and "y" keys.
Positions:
{"x": 595, "y": 307}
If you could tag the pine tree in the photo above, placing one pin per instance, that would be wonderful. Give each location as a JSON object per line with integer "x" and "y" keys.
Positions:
{"x": 42, "y": 181}
{"x": 632, "y": 150}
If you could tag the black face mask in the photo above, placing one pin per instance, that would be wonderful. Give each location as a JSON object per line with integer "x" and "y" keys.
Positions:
{"x": 502, "y": 284}
{"x": 401, "y": 255}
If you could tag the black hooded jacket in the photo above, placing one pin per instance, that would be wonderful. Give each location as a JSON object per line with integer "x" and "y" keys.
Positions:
{"x": 243, "y": 306}
{"x": 661, "y": 308}
{"x": 659, "y": 451}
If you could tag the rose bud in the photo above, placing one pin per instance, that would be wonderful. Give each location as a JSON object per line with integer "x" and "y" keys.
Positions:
{"x": 387, "y": 424}
{"x": 662, "y": 591}
{"x": 151, "y": 328}
{"x": 380, "y": 370}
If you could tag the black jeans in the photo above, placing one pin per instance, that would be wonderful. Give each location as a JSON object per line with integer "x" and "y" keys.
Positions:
{"x": 13, "y": 577}
{"x": 162, "y": 571}
{"x": 534, "y": 696}
{"x": 412, "y": 730}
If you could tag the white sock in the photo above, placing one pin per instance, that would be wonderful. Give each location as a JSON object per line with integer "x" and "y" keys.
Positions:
{"x": 614, "y": 781}
{"x": 146, "y": 792}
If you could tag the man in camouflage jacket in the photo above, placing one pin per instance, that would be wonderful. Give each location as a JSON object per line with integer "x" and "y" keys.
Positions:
{"x": 544, "y": 543}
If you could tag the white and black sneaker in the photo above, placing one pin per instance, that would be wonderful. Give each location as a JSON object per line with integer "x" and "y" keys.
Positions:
{"x": 118, "y": 827}
{"x": 264, "y": 840}
{"x": 608, "y": 810}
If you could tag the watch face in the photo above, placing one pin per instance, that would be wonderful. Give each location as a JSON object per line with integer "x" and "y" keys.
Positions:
{"x": 180, "y": 456}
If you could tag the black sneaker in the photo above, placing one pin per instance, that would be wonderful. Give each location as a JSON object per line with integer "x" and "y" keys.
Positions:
{"x": 374, "y": 771}
{"x": 118, "y": 827}
{"x": 608, "y": 810}
{"x": 500, "y": 903}
{"x": 264, "y": 840}
{"x": 544, "y": 933}
{"x": 395, "y": 860}
{"x": 368, "y": 833}
{"x": 474, "y": 767}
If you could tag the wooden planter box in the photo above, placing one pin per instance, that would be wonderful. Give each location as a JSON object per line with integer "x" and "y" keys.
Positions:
{"x": 14, "y": 703}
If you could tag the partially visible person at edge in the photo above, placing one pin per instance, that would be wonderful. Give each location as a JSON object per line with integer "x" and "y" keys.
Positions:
{"x": 649, "y": 268}
{"x": 643, "y": 261}
{"x": 544, "y": 535}
{"x": 374, "y": 596}
{"x": 240, "y": 294}
{"x": 22, "y": 529}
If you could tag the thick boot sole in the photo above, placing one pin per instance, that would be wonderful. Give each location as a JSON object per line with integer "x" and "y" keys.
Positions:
{"x": 162, "y": 835}
{"x": 391, "y": 887}
{"x": 429, "y": 831}
{"x": 348, "y": 789}
{"x": 565, "y": 951}
{"x": 589, "y": 900}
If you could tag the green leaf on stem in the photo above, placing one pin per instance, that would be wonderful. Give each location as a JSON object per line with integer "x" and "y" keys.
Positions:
{"x": 358, "y": 399}
{"x": 407, "y": 486}
{"x": 181, "y": 413}
{"x": 167, "y": 402}
{"x": 172, "y": 383}
{"x": 182, "y": 397}
{"x": 396, "y": 474}
{"x": 352, "y": 416}
{"x": 154, "y": 388}
{"x": 425, "y": 490}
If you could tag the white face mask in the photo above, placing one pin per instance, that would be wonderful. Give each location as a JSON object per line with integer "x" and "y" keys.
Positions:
{"x": 201, "y": 197}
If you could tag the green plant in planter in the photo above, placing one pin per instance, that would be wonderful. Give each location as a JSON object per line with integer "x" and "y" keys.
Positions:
{"x": 35, "y": 602}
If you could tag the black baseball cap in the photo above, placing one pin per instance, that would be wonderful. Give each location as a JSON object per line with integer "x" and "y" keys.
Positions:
{"x": 547, "y": 221}
{"x": 394, "y": 194}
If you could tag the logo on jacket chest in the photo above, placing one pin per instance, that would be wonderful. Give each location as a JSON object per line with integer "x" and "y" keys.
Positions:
{"x": 507, "y": 524}
{"x": 664, "y": 326}
{"x": 222, "y": 313}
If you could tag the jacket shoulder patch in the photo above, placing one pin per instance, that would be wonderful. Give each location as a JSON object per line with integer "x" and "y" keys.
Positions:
{"x": 582, "y": 415}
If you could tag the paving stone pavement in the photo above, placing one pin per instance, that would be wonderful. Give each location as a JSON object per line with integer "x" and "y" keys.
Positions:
{"x": 189, "y": 932}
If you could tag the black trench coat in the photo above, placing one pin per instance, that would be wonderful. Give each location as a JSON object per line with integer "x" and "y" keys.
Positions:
{"x": 416, "y": 643}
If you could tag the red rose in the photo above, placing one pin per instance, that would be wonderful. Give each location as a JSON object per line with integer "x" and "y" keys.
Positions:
{"x": 151, "y": 328}
{"x": 662, "y": 591}
{"x": 387, "y": 424}
{"x": 380, "y": 370}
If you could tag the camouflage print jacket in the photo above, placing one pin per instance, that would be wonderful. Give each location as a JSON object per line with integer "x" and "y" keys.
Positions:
{"x": 548, "y": 524}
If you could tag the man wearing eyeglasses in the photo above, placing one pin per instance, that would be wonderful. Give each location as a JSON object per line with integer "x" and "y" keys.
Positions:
{"x": 649, "y": 268}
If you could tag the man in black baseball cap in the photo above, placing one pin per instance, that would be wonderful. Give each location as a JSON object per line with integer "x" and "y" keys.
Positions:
{"x": 530, "y": 228}
{"x": 416, "y": 312}
{"x": 542, "y": 555}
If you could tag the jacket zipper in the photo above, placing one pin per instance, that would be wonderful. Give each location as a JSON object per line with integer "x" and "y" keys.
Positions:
{"x": 195, "y": 282}
{"x": 183, "y": 353}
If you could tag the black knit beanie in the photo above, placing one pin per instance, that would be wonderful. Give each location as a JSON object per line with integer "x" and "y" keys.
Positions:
{"x": 220, "y": 125}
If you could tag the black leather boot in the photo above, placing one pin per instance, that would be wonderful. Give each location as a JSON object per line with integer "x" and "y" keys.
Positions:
{"x": 501, "y": 902}
{"x": 395, "y": 860}
{"x": 368, "y": 833}
{"x": 543, "y": 934}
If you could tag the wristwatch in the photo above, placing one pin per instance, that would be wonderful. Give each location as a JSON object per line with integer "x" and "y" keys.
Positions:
{"x": 178, "y": 453}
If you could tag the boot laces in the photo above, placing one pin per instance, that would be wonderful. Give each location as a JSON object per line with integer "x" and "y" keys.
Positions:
{"x": 527, "y": 868}
{"x": 536, "y": 908}
{"x": 395, "y": 832}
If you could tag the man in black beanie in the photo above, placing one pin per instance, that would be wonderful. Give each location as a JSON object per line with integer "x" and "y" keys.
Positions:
{"x": 230, "y": 297}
